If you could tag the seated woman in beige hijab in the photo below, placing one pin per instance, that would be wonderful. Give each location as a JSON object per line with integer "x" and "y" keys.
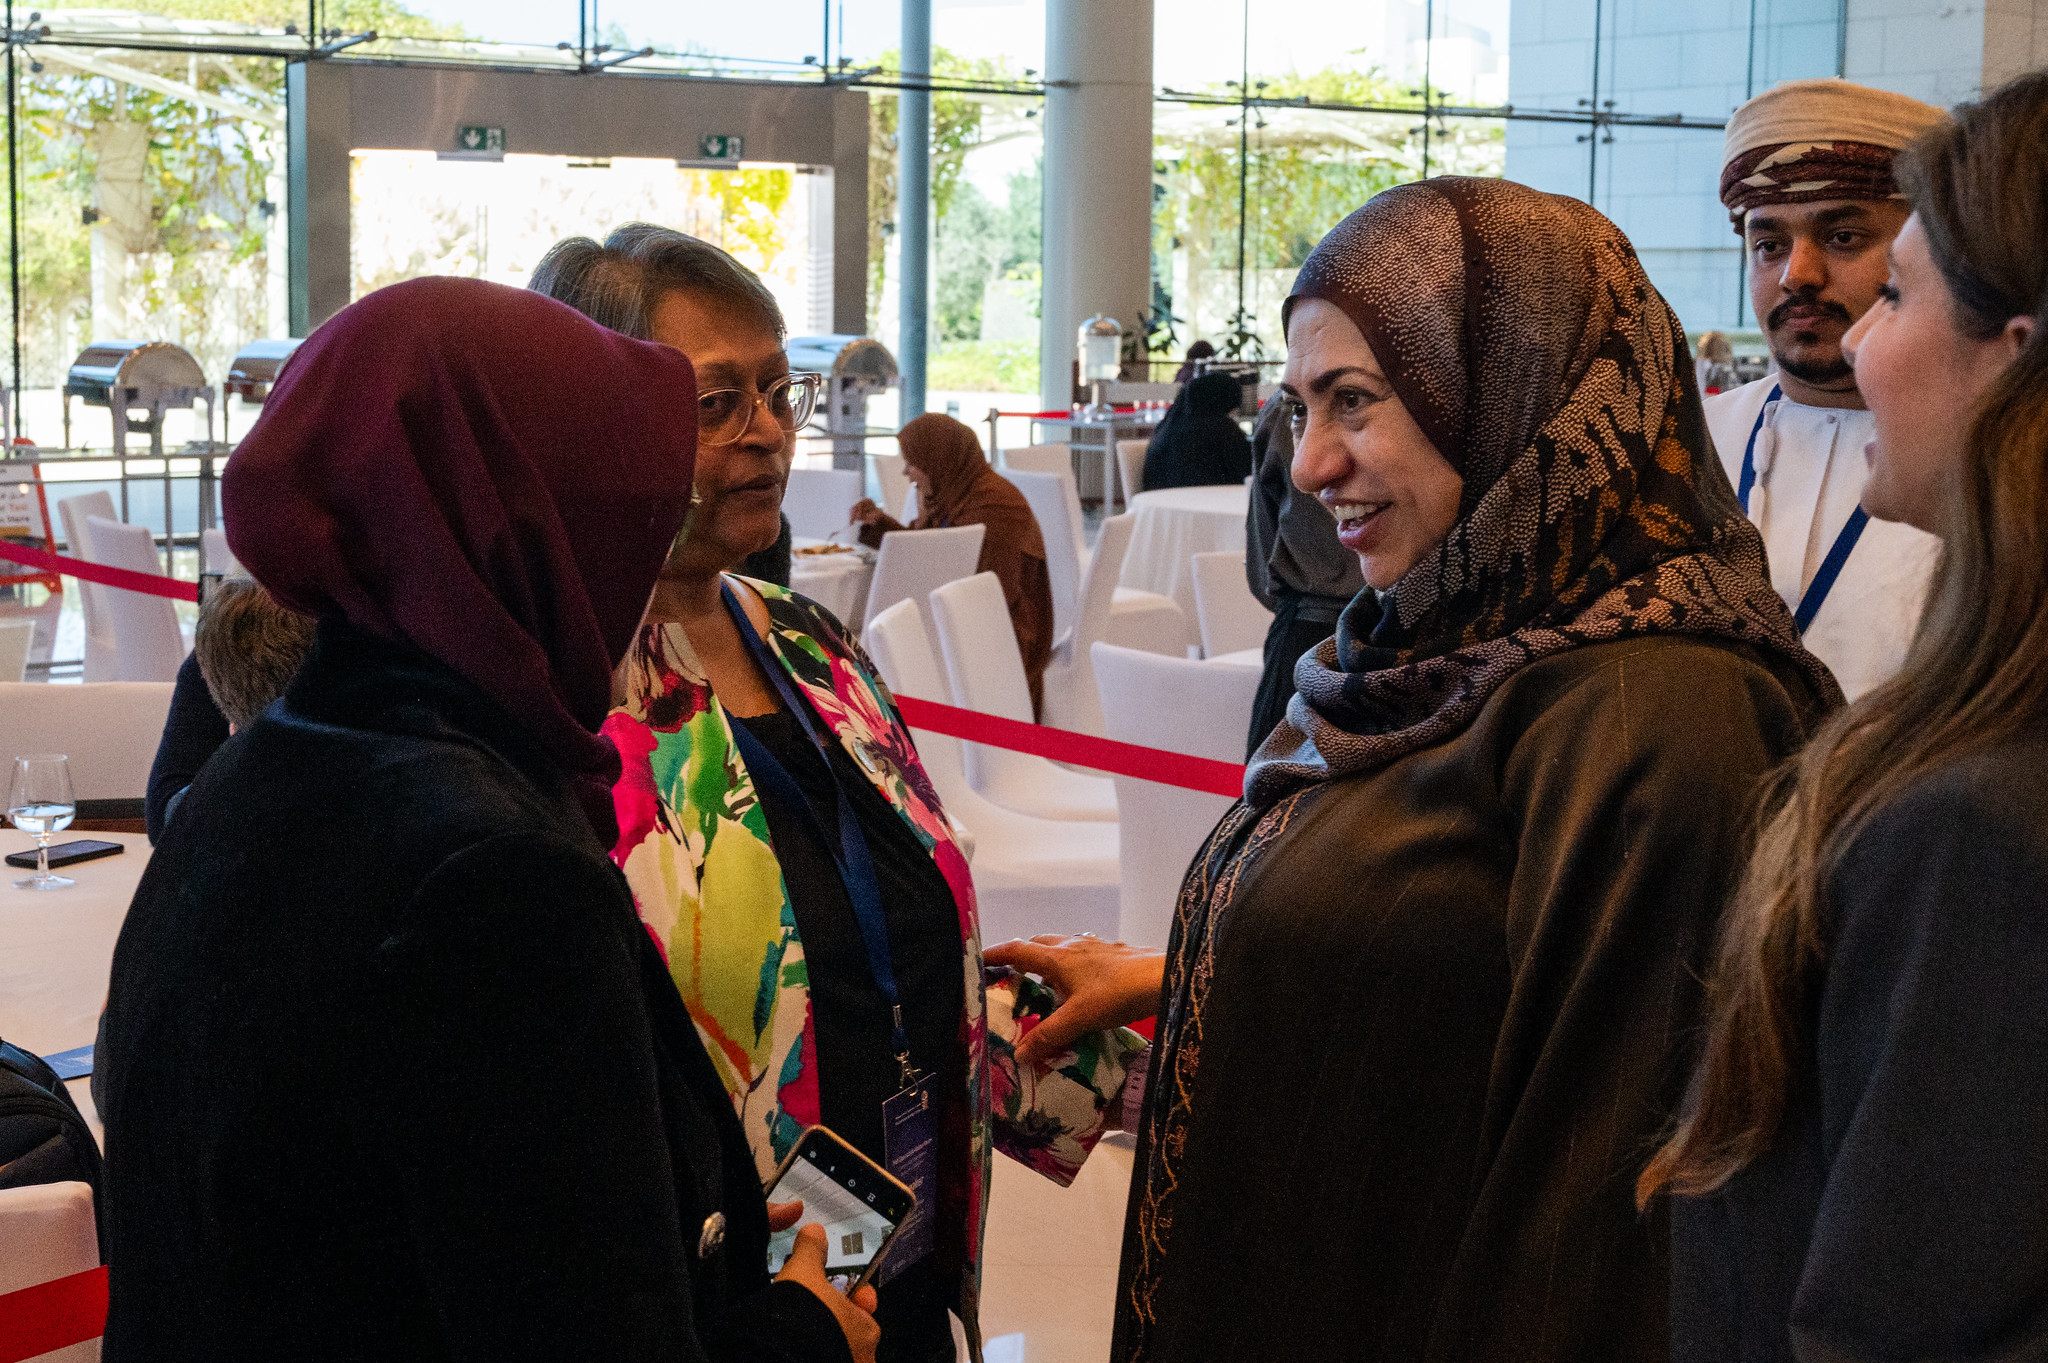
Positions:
{"x": 956, "y": 486}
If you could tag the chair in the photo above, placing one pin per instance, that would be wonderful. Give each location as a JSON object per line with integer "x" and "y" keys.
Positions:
{"x": 1070, "y": 698}
{"x": 1231, "y": 618}
{"x": 1130, "y": 466}
{"x": 986, "y": 673}
{"x": 101, "y": 663}
{"x": 817, "y": 500}
{"x": 1030, "y": 875}
{"x": 911, "y": 563}
{"x": 148, "y": 643}
{"x": 109, "y": 730}
{"x": 214, "y": 554}
{"x": 47, "y": 1233}
{"x": 892, "y": 486}
{"x": 1181, "y": 706}
{"x": 1040, "y": 459}
{"x": 1137, "y": 618}
{"x": 16, "y": 636}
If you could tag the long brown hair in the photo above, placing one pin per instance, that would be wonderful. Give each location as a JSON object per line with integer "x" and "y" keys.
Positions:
{"x": 1977, "y": 670}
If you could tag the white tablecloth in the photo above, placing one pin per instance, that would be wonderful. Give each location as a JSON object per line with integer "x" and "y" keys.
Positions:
{"x": 838, "y": 582}
{"x": 1173, "y": 525}
{"x": 56, "y": 947}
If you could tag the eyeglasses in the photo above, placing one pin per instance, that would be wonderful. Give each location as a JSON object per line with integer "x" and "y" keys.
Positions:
{"x": 724, "y": 414}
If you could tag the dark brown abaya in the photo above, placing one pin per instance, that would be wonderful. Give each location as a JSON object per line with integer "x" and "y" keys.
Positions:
{"x": 966, "y": 491}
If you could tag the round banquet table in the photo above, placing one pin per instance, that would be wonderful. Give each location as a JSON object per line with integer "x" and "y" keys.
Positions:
{"x": 57, "y": 948}
{"x": 838, "y": 582}
{"x": 1175, "y": 524}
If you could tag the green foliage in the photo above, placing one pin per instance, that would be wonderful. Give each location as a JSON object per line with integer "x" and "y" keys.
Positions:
{"x": 983, "y": 367}
{"x": 1305, "y": 171}
{"x": 978, "y": 242}
{"x": 383, "y": 17}
{"x": 749, "y": 203}
{"x": 957, "y": 128}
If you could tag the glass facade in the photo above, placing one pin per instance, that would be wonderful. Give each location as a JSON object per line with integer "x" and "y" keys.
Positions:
{"x": 149, "y": 190}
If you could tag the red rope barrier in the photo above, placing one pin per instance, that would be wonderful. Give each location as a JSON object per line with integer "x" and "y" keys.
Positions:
{"x": 1061, "y": 745}
{"x": 53, "y": 1315}
{"x": 125, "y": 578}
{"x": 1083, "y": 750}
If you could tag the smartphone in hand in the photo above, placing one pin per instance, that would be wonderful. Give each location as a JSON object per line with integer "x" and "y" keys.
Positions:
{"x": 857, "y": 1201}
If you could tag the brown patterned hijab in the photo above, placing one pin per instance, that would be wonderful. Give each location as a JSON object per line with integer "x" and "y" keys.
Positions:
{"x": 1521, "y": 333}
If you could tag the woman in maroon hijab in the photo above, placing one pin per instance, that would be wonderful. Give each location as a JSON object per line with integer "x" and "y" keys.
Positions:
{"x": 391, "y": 1068}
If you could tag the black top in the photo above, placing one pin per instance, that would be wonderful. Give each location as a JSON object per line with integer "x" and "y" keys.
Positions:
{"x": 1452, "y": 1007}
{"x": 192, "y": 730}
{"x": 1902, "y": 1211}
{"x": 857, "y": 1072}
{"x": 1198, "y": 442}
{"x": 393, "y": 1071}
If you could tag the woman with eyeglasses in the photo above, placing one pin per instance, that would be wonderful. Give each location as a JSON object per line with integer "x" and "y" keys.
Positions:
{"x": 764, "y": 762}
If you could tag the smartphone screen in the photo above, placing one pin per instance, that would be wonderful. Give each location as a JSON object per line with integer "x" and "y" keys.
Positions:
{"x": 844, "y": 1191}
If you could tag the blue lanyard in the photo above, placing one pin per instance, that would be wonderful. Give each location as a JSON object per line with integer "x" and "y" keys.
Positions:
{"x": 856, "y": 867}
{"x": 1838, "y": 552}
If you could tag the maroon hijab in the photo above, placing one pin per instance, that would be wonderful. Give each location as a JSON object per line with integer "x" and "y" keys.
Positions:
{"x": 482, "y": 473}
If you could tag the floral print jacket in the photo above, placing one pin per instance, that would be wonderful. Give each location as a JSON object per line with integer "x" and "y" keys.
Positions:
{"x": 694, "y": 845}
{"x": 695, "y": 848}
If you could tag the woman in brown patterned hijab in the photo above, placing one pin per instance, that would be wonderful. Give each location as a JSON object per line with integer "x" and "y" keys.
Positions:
{"x": 1427, "y": 997}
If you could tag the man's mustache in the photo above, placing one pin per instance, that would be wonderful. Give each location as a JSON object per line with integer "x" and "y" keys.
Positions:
{"x": 1827, "y": 307}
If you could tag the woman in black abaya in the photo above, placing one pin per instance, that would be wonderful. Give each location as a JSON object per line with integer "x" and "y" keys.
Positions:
{"x": 1427, "y": 999}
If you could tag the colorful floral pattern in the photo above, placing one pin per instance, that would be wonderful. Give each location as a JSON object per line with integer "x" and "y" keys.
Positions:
{"x": 694, "y": 846}
{"x": 1048, "y": 1117}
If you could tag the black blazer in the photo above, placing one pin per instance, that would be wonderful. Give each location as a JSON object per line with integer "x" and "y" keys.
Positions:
{"x": 392, "y": 1070}
{"x": 1902, "y": 1208}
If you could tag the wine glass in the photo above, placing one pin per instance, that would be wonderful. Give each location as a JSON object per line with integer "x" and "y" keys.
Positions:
{"x": 40, "y": 802}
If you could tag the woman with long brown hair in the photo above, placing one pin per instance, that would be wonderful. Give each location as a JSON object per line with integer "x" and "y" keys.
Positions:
{"x": 1863, "y": 1158}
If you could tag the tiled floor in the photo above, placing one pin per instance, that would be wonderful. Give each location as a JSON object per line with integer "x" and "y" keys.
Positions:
{"x": 1052, "y": 1259}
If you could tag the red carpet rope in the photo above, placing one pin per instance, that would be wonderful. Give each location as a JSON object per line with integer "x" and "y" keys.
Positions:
{"x": 124, "y": 578}
{"x": 53, "y": 1315}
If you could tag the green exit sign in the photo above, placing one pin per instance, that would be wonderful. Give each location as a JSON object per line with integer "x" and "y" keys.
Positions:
{"x": 476, "y": 138}
{"x": 722, "y": 146}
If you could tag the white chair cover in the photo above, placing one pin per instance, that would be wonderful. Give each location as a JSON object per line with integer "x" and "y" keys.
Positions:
{"x": 1070, "y": 697}
{"x": 817, "y": 500}
{"x": 16, "y": 637}
{"x": 101, "y": 662}
{"x": 1059, "y": 524}
{"x": 1138, "y": 619}
{"x": 214, "y": 554}
{"x": 986, "y": 673}
{"x": 912, "y": 563}
{"x": 109, "y": 730}
{"x": 1130, "y": 466}
{"x": 1030, "y": 875}
{"x": 46, "y": 1233}
{"x": 892, "y": 487}
{"x": 148, "y": 643}
{"x": 1040, "y": 459}
{"x": 1181, "y": 706}
{"x": 1231, "y": 618}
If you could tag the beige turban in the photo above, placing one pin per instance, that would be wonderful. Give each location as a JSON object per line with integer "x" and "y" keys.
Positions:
{"x": 1817, "y": 139}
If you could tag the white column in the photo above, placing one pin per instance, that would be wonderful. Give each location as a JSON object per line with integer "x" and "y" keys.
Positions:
{"x": 914, "y": 206}
{"x": 1098, "y": 177}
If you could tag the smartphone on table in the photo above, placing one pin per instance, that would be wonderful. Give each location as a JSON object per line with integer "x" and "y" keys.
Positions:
{"x": 857, "y": 1201}
{"x": 67, "y": 853}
